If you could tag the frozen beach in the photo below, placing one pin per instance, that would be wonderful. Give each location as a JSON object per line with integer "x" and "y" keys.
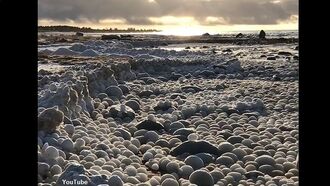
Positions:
{"x": 164, "y": 110}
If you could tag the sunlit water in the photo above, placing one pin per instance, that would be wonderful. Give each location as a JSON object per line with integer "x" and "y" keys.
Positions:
{"x": 270, "y": 33}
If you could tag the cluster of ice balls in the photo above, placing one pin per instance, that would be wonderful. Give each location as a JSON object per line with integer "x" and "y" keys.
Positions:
{"x": 255, "y": 149}
{"x": 154, "y": 158}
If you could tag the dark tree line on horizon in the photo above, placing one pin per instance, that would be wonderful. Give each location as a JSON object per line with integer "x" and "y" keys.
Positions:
{"x": 64, "y": 28}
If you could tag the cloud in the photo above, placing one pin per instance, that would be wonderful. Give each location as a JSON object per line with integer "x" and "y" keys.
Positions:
{"x": 139, "y": 21}
{"x": 139, "y": 12}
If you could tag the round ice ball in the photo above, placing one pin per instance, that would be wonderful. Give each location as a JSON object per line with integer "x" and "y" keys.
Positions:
{"x": 153, "y": 181}
{"x": 133, "y": 148}
{"x": 114, "y": 91}
{"x": 170, "y": 182}
{"x": 155, "y": 166}
{"x": 172, "y": 167}
{"x": 67, "y": 145}
{"x": 79, "y": 143}
{"x": 69, "y": 128}
{"x": 265, "y": 160}
{"x": 56, "y": 169}
{"x": 146, "y": 156}
{"x": 240, "y": 153}
{"x": 166, "y": 176}
{"x": 131, "y": 170}
{"x": 192, "y": 137}
{"x": 152, "y": 136}
{"x": 51, "y": 153}
{"x": 133, "y": 104}
{"x": 226, "y": 147}
{"x": 115, "y": 180}
{"x": 186, "y": 171}
{"x": 151, "y": 117}
{"x": 194, "y": 161}
{"x": 142, "y": 177}
{"x": 201, "y": 178}
{"x": 225, "y": 160}
{"x": 217, "y": 175}
{"x": 43, "y": 168}
{"x": 163, "y": 163}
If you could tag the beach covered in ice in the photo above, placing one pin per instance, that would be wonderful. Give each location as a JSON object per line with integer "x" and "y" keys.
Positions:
{"x": 168, "y": 112}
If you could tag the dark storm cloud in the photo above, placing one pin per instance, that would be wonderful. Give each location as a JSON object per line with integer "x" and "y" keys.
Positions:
{"x": 139, "y": 21}
{"x": 139, "y": 11}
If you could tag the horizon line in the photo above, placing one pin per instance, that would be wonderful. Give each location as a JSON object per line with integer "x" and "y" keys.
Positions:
{"x": 158, "y": 30}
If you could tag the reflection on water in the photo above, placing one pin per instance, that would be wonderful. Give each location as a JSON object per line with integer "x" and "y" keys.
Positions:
{"x": 270, "y": 33}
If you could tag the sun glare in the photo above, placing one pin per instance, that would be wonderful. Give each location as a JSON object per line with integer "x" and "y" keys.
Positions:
{"x": 183, "y": 31}
{"x": 171, "y": 20}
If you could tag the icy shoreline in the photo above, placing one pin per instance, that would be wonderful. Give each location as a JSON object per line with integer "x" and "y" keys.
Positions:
{"x": 114, "y": 114}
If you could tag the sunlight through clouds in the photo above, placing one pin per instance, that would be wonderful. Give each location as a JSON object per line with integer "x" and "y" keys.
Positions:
{"x": 159, "y": 13}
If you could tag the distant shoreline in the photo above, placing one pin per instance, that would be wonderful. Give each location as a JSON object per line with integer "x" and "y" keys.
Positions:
{"x": 61, "y": 28}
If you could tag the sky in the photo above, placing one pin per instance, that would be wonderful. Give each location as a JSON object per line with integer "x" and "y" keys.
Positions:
{"x": 172, "y": 15}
